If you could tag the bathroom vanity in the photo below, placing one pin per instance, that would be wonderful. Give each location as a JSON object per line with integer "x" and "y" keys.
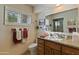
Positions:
{"x": 57, "y": 47}
{"x": 61, "y": 25}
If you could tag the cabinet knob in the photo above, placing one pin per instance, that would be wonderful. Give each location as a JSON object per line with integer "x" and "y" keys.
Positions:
{"x": 72, "y": 53}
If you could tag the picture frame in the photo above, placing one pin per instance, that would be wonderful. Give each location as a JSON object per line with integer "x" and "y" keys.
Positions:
{"x": 16, "y": 17}
{"x": 11, "y": 16}
{"x": 23, "y": 19}
{"x": 26, "y": 19}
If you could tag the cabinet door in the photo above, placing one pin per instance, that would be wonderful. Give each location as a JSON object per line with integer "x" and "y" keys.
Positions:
{"x": 52, "y": 48}
{"x": 40, "y": 48}
{"x": 56, "y": 52}
{"x": 40, "y": 51}
{"x": 64, "y": 53}
{"x": 53, "y": 45}
{"x": 47, "y": 50}
{"x": 70, "y": 50}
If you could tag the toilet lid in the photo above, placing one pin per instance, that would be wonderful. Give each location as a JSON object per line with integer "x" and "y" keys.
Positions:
{"x": 33, "y": 45}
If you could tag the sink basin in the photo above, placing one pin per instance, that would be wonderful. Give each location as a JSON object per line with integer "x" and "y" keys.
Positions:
{"x": 57, "y": 36}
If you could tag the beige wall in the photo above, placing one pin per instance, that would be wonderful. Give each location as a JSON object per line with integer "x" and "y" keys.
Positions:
{"x": 6, "y": 43}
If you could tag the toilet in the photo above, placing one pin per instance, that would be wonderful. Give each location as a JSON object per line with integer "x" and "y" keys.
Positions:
{"x": 33, "y": 48}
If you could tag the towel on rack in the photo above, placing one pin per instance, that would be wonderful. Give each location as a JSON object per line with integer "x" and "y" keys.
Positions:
{"x": 18, "y": 34}
{"x": 25, "y": 33}
{"x": 14, "y": 35}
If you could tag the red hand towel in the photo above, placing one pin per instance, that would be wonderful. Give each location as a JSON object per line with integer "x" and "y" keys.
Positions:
{"x": 25, "y": 33}
{"x": 14, "y": 37}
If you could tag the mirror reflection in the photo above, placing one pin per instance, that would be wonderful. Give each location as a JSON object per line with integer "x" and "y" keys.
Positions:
{"x": 63, "y": 22}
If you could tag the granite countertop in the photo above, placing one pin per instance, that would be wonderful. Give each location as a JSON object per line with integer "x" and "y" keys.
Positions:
{"x": 69, "y": 42}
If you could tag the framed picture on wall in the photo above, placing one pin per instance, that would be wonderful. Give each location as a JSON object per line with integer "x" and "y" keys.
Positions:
{"x": 29, "y": 20}
{"x": 11, "y": 16}
{"x": 16, "y": 17}
{"x": 25, "y": 19}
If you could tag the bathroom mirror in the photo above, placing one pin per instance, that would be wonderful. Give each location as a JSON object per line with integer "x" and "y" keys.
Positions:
{"x": 65, "y": 21}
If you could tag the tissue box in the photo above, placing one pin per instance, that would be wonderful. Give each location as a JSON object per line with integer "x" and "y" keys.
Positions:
{"x": 75, "y": 36}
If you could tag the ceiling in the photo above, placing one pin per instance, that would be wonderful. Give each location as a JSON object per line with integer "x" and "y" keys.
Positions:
{"x": 44, "y": 5}
{"x": 38, "y": 8}
{"x": 41, "y": 7}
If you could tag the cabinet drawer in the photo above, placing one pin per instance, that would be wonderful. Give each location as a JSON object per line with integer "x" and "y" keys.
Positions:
{"x": 47, "y": 51}
{"x": 41, "y": 45}
{"x": 70, "y": 50}
{"x": 40, "y": 48}
{"x": 41, "y": 41}
{"x": 53, "y": 45}
{"x": 55, "y": 52}
{"x": 40, "y": 51}
{"x": 65, "y": 53}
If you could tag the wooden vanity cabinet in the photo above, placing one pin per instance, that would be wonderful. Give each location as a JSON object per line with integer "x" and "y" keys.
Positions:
{"x": 53, "y": 48}
{"x": 40, "y": 48}
{"x": 67, "y": 50}
{"x": 46, "y": 47}
{"x": 48, "y": 50}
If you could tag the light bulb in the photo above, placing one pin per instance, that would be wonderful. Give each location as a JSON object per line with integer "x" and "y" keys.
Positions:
{"x": 58, "y": 5}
